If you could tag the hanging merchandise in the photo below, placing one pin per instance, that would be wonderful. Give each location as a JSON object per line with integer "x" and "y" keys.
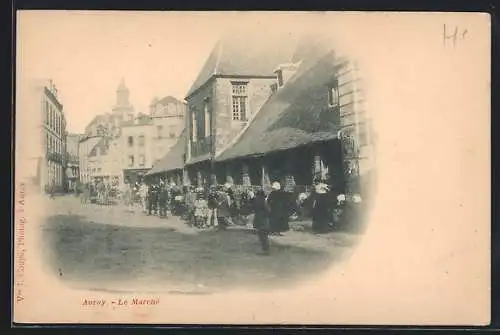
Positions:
{"x": 289, "y": 183}
{"x": 199, "y": 180}
{"x": 323, "y": 169}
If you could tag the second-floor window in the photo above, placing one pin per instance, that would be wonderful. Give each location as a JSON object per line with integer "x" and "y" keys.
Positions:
{"x": 46, "y": 112}
{"x": 50, "y": 117}
{"x": 333, "y": 95}
{"x": 159, "y": 131}
{"x": 208, "y": 123}
{"x": 130, "y": 141}
{"x": 240, "y": 101}
{"x": 142, "y": 160}
{"x": 130, "y": 160}
{"x": 194, "y": 127}
{"x": 141, "y": 140}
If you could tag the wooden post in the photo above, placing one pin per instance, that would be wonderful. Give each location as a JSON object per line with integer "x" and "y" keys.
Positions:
{"x": 199, "y": 180}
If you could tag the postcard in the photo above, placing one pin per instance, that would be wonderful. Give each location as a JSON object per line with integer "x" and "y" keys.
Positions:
{"x": 256, "y": 168}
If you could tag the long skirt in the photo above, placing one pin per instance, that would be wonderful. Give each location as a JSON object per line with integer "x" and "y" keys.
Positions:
{"x": 279, "y": 223}
{"x": 321, "y": 218}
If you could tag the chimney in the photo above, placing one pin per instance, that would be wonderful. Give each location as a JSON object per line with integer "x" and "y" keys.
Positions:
{"x": 284, "y": 72}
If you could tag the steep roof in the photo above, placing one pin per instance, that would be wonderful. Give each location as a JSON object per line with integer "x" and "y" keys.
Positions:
{"x": 246, "y": 55}
{"x": 297, "y": 114}
{"x": 102, "y": 145}
{"x": 99, "y": 118}
{"x": 92, "y": 142}
{"x": 173, "y": 160}
{"x": 169, "y": 99}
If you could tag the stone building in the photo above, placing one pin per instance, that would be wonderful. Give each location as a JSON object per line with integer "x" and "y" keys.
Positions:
{"x": 232, "y": 86}
{"x": 87, "y": 167}
{"x": 108, "y": 124}
{"x": 313, "y": 125}
{"x": 167, "y": 115}
{"x": 101, "y": 148}
{"x": 137, "y": 141}
{"x": 72, "y": 158}
{"x": 40, "y": 112}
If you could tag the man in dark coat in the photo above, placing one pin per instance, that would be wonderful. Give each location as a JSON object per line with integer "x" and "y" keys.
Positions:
{"x": 261, "y": 220}
{"x": 152, "y": 198}
{"x": 212, "y": 205}
{"x": 163, "y": 199}
{"x": 279, "y": 205}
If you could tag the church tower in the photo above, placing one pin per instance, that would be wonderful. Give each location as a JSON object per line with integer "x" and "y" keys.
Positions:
{"x": 122, "y": 94}
{"x": 123, "y": 108}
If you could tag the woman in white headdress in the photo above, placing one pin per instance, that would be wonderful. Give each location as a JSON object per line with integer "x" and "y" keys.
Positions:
{"x": 278, "y": 204}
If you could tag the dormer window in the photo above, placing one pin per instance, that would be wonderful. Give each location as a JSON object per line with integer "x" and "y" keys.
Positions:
{"x": 333, "y": 95}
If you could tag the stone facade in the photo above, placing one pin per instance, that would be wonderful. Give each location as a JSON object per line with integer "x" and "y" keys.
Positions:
{"x": 72, "y": 154}
{"x": 168, "y": 119}
{"x": 43, "y": 120}
{"x": 356, "y": 127}
{"x": 85, "y": 167}
{"x": 137, "y": 144}
{"x": 212, "y": 136}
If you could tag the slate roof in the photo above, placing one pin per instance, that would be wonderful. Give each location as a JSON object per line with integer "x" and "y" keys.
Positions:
{"x": 173, "y": 160}
{"x": 298, "y": 113}
{"x": 93, "y": 141}
{"x": 169, "y": 99}
{"x": 246, "y": 55}
{"x": 103, "y": 146}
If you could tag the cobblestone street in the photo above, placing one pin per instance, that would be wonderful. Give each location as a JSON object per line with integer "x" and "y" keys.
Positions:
{"x": 103, "y": 246}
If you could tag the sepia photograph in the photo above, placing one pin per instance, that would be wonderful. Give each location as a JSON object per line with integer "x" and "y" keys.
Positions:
{"x": 252, "y": 168}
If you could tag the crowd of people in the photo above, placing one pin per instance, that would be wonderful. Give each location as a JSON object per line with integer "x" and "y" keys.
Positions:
{"x": 268, "y": 211}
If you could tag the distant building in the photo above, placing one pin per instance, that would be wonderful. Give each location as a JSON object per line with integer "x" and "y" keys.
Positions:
{"x": 105, "y": 161}
{"x": 40, "y": 112}
{"x": 108, "y": 124}
{"x": 101, "y": 149}
{"x": 137, "y": 143}
{"x": 73, "y": 161}
{"x": 86, "y": 145}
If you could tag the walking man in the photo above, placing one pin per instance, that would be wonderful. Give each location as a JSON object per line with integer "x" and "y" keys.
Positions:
{"x": 261, "y": 220}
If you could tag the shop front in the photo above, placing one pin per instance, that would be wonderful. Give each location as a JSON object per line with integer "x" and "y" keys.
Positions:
{"x": 132, "y": 176}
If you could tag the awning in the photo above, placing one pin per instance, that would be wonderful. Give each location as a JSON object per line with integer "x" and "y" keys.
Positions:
{"x": 199, "y": 159}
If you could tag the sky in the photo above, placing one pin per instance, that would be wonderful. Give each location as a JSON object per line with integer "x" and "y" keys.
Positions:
{"x": 87, "y": 54}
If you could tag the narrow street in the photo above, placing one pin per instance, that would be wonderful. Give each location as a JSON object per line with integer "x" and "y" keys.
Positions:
{"x": 100, "y": 246}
